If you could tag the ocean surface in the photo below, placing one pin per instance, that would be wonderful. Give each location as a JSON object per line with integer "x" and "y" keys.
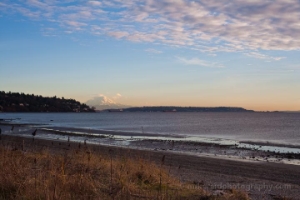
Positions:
{"x": 269, "y": 128}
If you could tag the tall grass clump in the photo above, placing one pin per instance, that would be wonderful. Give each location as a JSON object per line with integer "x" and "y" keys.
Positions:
{"x": 82, "y": 174}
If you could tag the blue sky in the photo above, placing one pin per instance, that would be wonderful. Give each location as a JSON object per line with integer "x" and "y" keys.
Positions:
{"x": 181, "y": 52}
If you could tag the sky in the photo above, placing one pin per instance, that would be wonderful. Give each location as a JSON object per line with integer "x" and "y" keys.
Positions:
{"x": 242, "y": 53}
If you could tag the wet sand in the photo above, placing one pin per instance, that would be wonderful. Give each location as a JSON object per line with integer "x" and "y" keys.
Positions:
{"x": 263, "y": 180}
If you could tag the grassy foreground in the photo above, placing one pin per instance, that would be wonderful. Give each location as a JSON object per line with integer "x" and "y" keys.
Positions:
{"x": 82, "y": 174}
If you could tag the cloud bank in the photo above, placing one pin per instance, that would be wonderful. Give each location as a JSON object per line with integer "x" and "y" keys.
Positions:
{"x": 207, "y": 26}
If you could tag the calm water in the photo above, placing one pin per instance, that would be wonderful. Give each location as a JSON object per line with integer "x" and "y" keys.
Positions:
{"x": 283, "y": 128}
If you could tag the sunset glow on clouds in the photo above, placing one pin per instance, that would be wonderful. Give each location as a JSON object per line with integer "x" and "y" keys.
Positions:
{"x": 250, "y": 38}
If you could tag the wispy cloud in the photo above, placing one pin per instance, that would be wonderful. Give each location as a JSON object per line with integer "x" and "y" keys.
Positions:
{"x": 208, "y": 26}
{"x": 118, "y": 34}
{"x": 155, "y": 51}
{"x": 198, "y": 62}
{"x": 95, "y": 3}
{"x": 75, "y": 24}
{"x": 49, "y": 32}
{"x": 263, "y": 56}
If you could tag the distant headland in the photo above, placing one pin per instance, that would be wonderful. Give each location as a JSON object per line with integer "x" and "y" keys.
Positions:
{"x": 179, "y": 109}
{"x": 20, "y": 102}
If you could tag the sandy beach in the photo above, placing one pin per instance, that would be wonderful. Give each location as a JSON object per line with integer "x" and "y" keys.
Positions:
{"x": 262, "y": 180}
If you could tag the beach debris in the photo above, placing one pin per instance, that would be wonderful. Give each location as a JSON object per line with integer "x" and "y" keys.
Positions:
{"x": 163, "y": 159}
{"x": 110, "y": 151}
{"x": 160, "y": 172}
{"x": 198, "y": 183}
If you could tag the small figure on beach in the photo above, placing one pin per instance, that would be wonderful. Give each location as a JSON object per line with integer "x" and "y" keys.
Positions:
{"x": 0, "y": 130}
{"x": 12, "y": 128}
{"x": 34, "y": 132}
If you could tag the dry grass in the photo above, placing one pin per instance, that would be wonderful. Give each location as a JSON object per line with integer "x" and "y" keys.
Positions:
{"x": 85, "y": 175}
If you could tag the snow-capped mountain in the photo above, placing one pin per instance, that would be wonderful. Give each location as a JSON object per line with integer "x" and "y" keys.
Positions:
{"x": 102, "y": 102}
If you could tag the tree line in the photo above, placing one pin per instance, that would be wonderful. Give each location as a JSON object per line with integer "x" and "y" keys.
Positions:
{"x": 20, "y": 102}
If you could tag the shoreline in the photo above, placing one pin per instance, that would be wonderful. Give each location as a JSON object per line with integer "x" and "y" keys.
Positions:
{"x": 212, "y": 147}
{"x": 260, "y": 179}
{"x": 234, "y": 132}
{"x": 197, "y": 146}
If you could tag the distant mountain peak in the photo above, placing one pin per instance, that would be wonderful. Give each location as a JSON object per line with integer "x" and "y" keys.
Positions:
{"x": 102, "y": 102}
{"x": 107, "y": 101}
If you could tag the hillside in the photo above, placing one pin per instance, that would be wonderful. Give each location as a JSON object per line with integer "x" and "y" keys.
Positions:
{"x": 185, "y": 109}
{"x": 20, "y": 102}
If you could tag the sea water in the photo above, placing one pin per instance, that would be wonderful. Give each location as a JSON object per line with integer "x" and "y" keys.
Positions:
{"x": 282, "y": 129}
